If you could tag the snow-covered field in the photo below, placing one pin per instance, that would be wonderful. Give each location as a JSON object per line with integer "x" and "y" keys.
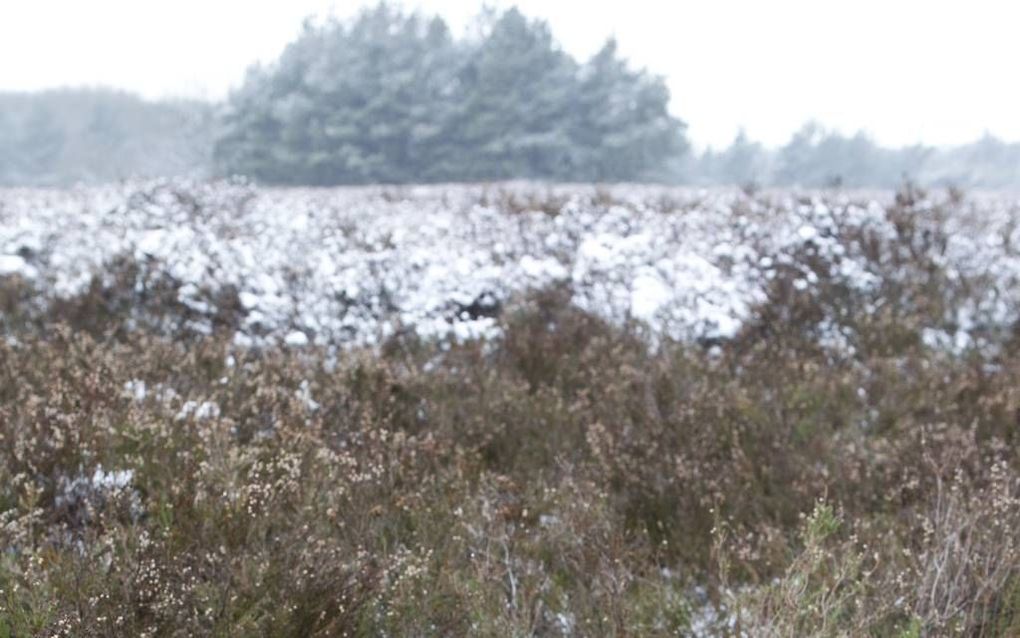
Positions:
{"x": 349, "y": 266}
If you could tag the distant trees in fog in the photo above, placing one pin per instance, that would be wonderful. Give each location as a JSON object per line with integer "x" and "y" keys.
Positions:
{"x": 64, "y": 136}
{"x": 818, "y": 158}
{"x": 393, "y": 97}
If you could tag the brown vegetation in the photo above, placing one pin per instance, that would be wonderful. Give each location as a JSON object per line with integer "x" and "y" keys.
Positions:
{"x": 566, "y": 479}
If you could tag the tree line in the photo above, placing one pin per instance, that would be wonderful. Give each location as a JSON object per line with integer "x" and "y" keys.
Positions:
{"x": 66, "y": 136}
{"x": 819, "y": 158}
{"x": 394, "y": 97}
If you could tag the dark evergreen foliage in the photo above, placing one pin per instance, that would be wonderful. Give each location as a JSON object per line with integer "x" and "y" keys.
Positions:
{"x": 392, "y": 97}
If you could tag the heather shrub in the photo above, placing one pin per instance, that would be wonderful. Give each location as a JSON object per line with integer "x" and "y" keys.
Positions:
{"x": 828, "y": 470}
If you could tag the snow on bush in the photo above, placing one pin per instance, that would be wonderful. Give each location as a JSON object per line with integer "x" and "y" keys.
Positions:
{"x": 352, "y": 266}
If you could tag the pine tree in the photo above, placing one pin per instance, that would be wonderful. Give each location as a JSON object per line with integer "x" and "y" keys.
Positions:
{"x": 391, "y": 97}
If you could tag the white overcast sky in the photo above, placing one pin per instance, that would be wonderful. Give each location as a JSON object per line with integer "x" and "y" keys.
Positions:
{"x": 939, "y": 72}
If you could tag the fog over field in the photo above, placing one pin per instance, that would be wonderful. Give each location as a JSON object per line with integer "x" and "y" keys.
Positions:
{"x": 429, "y": 319}
{"x": 793, "y": 93}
